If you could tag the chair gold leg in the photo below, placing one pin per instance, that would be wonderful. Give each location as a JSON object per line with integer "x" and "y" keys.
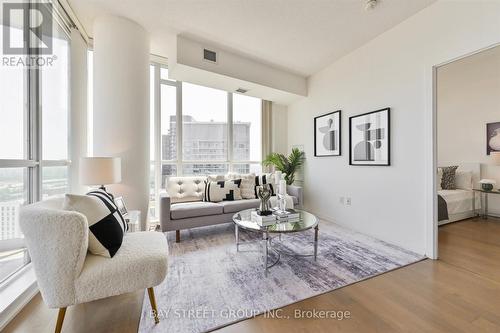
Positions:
{"x": 152, "y": 300}
{"x": 60, "y": 319}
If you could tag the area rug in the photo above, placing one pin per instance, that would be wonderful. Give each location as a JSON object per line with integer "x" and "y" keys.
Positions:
{"x": 210, "y": 285}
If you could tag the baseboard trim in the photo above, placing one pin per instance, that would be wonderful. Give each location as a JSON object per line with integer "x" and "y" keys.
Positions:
{"x": 330, "y": 220}
{"x": 323, "y": 218}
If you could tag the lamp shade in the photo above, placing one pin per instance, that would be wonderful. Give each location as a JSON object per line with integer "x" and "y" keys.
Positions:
{"x": 100, "y": 170}
{"x": 495, "y": 156}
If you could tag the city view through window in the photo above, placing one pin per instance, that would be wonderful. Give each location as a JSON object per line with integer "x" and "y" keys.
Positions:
{"x": 22, "y": 161}
{"x": 210, "y": 143}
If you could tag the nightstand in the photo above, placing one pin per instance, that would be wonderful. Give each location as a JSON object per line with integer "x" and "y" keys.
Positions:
{"x": 133, "y": 219}
{"x": 482, "y": 194}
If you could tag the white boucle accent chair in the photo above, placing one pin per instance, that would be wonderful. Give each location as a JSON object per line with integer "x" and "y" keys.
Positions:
{"x": 67, "y": 274}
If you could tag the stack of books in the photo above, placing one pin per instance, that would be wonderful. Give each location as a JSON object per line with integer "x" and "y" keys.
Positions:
{"x": 288, "y": 215}
{"x": 263, "y": 220}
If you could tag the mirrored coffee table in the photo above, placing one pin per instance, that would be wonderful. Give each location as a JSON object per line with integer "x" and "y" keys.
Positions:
{"x": 306, "y": 221}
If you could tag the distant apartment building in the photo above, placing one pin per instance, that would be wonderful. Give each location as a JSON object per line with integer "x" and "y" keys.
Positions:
{"x": 9, "y": 220}
{"x": 205, "y": 141}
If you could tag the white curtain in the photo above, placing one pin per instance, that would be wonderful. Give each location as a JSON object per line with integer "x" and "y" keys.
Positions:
{"x": 267, "y": 124}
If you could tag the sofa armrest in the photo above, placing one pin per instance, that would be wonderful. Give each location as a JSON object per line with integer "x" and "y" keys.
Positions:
{"x": 297, "y": 192}
{"x": 164, "y": 211}
{"x": 57, "y": 241}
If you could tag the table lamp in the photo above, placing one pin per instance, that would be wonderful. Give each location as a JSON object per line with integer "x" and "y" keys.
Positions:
{"x": 495, "y": 157}
{"x": 100, "y": 171}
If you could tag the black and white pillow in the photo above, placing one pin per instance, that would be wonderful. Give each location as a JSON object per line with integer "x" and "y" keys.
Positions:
{"x": 264, "y": 179}
{"x": 448, "y": 181}
{"x": 223, "y": 190}
{"x": 106, "y": 224}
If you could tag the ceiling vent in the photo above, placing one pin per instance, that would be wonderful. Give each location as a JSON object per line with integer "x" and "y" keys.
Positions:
{"x": 209, "y": 55}
{"x": 241, "y": 90}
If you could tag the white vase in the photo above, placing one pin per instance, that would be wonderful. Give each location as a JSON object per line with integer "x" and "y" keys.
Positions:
{"x": 494, "y": 142}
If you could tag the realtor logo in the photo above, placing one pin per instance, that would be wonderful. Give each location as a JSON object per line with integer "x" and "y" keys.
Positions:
{"x": 35, "y": 21}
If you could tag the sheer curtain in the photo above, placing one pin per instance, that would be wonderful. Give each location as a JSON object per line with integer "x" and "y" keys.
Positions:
{"x": 267, "y": 124}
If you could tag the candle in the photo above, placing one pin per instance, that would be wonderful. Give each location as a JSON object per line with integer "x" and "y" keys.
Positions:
{"x": 282, "y": 187}
{"x": 278, "y": 176}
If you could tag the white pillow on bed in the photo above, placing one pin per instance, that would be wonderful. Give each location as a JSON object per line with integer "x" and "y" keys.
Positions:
{"x": 439, "y": 179}
{"x": 463, "y": 180}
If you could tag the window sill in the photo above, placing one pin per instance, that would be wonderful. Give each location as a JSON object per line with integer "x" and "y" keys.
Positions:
{"x": 16, "y": 293}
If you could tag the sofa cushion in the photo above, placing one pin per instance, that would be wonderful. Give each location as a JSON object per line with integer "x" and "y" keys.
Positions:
{"x": 141, "y": 263}
{"x": 236, "y": 206}
{"x": 247, "y": 184}
{"x": 185, "y": 189}
{"x": 193, "y": 209}
{"x": 224, "y": 190}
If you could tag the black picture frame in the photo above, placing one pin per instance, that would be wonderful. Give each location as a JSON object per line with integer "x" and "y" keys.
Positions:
{"x": 388, "y": 140}
{"x": 339, "y": 153}
{"x": 492, "y": 131}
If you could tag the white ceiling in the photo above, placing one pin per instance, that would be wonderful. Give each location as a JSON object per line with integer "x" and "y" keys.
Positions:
{"x": 301, "y": 36}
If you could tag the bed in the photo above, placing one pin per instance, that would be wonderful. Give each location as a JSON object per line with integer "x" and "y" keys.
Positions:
{"x": 458, "y": 204}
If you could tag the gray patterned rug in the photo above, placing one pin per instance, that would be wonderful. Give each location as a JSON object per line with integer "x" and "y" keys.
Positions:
{"x": 210, "y": 285}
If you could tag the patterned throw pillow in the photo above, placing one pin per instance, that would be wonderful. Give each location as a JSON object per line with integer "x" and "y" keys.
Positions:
{"x": 224, "y": 190}
{"x": 265, "y": 178}
{"x": 106, "y": 224}
{"x": 247, "y": 184}
{"x": 215, "y": 178}
{"x": 448, "y": 179}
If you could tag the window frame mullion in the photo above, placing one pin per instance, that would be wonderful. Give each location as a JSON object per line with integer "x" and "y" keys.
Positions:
{"x": 34, "y": 135}
{"x": 179, "y": 125}
{"x": 230, "y": 131}
{"x": 157, "y": 136}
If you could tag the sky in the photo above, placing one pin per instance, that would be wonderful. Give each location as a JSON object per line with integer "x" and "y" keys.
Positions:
{"x": 54, "y": 106}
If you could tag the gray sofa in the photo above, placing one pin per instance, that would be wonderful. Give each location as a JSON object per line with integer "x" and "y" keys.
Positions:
{"x": 186, "y": 215}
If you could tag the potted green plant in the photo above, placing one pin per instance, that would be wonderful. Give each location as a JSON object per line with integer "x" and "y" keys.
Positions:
{"x": 287, "y": 165}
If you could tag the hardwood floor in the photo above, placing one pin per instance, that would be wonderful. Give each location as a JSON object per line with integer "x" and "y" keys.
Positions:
{"x": 458, "y": 293}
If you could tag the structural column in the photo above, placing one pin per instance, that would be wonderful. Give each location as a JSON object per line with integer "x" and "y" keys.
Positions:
{"x": 121, "y": 105}
{"x": 78, "y": 117}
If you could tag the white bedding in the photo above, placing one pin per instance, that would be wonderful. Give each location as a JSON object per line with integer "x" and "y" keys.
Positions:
{"x": 459, "y": 201}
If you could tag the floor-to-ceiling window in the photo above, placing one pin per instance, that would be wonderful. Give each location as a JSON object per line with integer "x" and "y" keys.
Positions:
{"x": 33, "y": 135}
{"x": 198, "y": 130}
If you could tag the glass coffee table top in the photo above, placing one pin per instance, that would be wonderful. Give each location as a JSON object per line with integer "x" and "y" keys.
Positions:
{"x": 307, "y": 221}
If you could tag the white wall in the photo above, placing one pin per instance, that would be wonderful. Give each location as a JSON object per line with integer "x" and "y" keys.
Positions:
{"x": 393, "y": 70}
{"x": 468, "y": 97}
{"x": 78, "y": 117}
{"x": 121, "y": 104}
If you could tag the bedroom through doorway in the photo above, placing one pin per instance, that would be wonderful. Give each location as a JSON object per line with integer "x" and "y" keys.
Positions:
{"x": 467, "y": 101}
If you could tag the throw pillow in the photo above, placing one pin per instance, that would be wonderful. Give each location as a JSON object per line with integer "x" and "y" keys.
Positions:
{"x": 224, "y": 190}
{"x": 448, "y": 180}
{"x": 107, "y": 226}
{"x": 439, "y": 178}
{"x": 247, "y": 184}
{"x": 215, "y": 178}
{"x": 265, "y": 178}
